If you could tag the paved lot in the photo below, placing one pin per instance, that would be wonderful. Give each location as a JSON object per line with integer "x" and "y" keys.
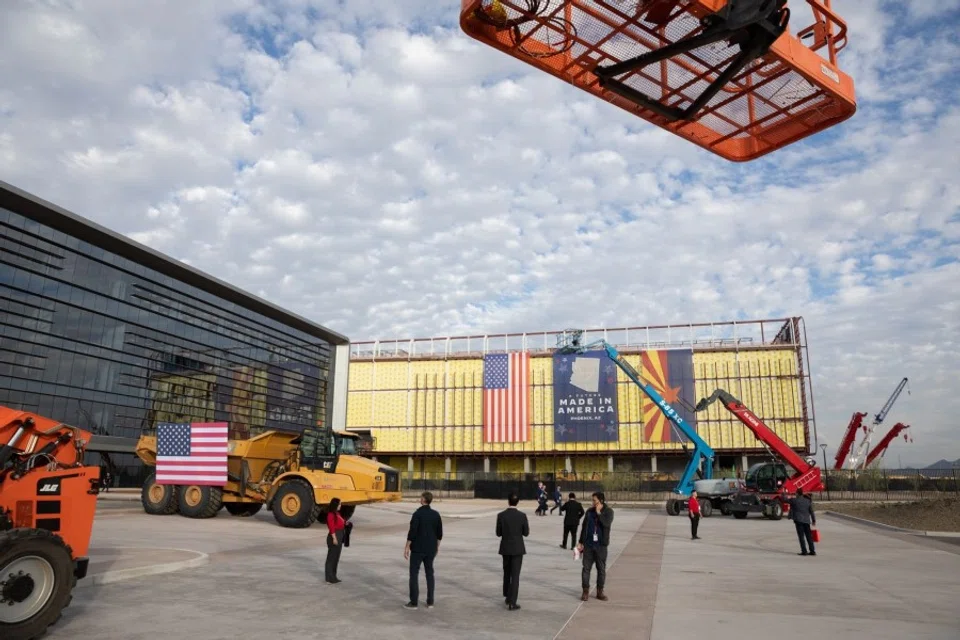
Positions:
{"x": 252, "y": 577}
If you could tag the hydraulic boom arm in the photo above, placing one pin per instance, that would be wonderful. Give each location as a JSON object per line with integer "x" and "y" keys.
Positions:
{"x": 848, "y": 439}
{"x": 858, "y": 460}
{"x": 881, "y": 447}
{"x": 807, "y": 477}
{"x": 702, "y": 451}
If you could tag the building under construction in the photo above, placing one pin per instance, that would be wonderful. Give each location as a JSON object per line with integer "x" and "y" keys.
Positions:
{"x": 428, "y": 405}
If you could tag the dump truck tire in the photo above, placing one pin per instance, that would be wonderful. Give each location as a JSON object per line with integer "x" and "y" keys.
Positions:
{"x": 42, "y": 583}
{"x": 198, "y": 501}
{"x": 243, "y": 509}
{"x": 294, "y": 505}
{"x": 347, "y": 511}
{"x": 158, "y": 499}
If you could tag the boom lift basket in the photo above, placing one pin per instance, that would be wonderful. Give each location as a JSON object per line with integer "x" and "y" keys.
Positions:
{"x": 727, "y": 75}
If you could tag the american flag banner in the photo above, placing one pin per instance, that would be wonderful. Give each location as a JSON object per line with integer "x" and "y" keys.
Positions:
{"x": 192, "y": 453}
{"x": 506, "y": 397}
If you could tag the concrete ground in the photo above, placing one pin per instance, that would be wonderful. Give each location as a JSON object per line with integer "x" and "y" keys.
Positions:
{"x": 212, "y": 579}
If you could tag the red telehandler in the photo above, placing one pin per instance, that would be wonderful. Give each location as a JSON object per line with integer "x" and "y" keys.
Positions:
{"x": 48, "y": 499}
{"x": 767, "y": 486}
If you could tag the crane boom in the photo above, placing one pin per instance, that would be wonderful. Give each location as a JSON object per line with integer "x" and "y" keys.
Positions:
{"x": 703, "y": 453}
{"x": 848, "y": 438}
{"x": 859, "y": 458}
{"x": 807, "y": 476}
{"x": 881, "y": 447}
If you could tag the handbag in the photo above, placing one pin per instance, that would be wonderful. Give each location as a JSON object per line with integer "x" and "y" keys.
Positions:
{"x": 816, "y": 535}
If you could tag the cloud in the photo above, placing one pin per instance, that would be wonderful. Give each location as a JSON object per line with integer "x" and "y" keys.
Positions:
{"x": 370, "y": 167}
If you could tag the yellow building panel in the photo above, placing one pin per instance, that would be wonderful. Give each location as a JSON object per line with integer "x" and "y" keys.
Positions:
{"x": 360, "y": 377}
{"x": 359, "y": 408}
{"x": 510, "y": 465}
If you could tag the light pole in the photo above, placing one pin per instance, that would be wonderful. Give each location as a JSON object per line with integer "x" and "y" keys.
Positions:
{"x": 823, "y": 447}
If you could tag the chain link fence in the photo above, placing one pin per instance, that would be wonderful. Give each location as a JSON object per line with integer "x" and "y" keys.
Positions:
{"x": 639, "y": 486}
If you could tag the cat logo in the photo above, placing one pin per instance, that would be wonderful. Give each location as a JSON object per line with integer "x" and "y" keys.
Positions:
{"x": 328, "y": 464}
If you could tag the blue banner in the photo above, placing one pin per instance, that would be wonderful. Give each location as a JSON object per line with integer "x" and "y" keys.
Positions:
{"x": 585, "y": 398}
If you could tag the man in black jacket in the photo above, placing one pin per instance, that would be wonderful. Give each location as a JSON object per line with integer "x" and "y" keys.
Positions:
{"x": 512, "y": 528}
{"x": 571, "y": 511}
{"x": 594, "y": 540}
{"x": 423, "y": 543}
{"x": 803, "y": 516}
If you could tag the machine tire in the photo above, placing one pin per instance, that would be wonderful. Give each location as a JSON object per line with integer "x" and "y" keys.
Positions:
{"x": 48, "y": 551}
{"x": 673, "y": 507}
{"x": 706, "y": 508}
{"x": 243, "y": 509}
{"x": 294, "y": 505}
{"x": 725, "y": 507}
{"x": 198, "y": 501}
{"x": 739, "y": 515}
{"x": 776, "y": 511}
{"x": 347, "y": 511}
{"x": 158, "y": 499}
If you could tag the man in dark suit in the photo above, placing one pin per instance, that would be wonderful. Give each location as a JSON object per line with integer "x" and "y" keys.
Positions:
{"x": 571, "y": 511}
{"x": 803, "y": 516}
{"x": 512, "y": 528}
{"x": 423, "y": 543}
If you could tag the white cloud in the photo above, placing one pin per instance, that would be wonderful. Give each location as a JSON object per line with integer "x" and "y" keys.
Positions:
{"x": 374, "y": 169}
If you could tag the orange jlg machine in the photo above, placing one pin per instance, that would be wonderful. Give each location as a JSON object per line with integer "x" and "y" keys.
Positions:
{"x": 48, "y": 499}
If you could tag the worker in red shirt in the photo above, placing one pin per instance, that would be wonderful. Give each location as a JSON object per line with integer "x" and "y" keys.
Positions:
{"x": 693, "y": 506}
{"x": 336, "y": 530}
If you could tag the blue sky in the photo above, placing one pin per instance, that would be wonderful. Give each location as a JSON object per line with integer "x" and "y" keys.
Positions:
{"x": 372, "y": 168}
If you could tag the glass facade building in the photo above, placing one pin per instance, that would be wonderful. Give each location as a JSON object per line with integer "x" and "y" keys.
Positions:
{"x": 103, "y": 333}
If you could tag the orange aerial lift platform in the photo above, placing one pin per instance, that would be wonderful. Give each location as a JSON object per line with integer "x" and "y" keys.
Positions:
{"x": 727, "y": 75}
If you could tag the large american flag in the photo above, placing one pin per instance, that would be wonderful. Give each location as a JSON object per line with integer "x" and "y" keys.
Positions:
{"x": 192, "y": 453}
{"x": 506, "y": 397}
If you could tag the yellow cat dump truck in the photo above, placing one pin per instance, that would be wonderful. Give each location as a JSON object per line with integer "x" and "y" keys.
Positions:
{"x": 293, "y": 474}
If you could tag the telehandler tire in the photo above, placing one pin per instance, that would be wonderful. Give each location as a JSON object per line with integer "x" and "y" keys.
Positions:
{"x": 294, "y": 505}
{"x": 36, "y": 582}
{"x": 706, "y": 508}
{"x": 158, "y": 499}
{"x": 198, "y": 501}
{"x": 243, "y": 509}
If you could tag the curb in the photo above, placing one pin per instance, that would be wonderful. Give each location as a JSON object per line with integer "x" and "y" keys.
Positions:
{"x": 888, "y": 527}
{"x": 109, "y": 577}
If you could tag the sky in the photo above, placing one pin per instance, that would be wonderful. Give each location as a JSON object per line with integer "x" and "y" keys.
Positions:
{"x": 370, "y": 167}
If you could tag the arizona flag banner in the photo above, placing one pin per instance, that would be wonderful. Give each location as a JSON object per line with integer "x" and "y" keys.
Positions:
{"x": 670, "y": 372}
{"x": 506, "y": 397}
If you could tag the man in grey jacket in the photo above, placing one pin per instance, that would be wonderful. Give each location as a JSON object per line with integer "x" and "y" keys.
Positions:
{"x": 803, "y": 516}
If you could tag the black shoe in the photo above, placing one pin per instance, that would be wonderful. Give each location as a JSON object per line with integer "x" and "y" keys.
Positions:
{"x": 411, "y": 605}
{"x": 563, "y": 546}
{"x": 513, "y": 607}
{"x": 813, "y": 553}
{"x": 802, "y": 553}
{"x": 429, "y": 605}
{"x": 506, "y": 601}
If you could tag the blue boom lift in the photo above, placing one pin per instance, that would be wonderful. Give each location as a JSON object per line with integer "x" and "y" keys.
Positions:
{"x": 571, "y": 342}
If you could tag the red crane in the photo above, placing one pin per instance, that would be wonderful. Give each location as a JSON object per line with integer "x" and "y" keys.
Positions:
{"x": 881, "y": 447}
{"x": 848, "y": 439}
{"x": 768, "y": 488}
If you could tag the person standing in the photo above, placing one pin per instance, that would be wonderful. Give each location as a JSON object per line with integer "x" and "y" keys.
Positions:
{"x": 423, "y": 544}
{"x": 693, "y": 507}
{"x": 336, "y": 529}
{"x": 594, "y": 540}
{"x": 571, "y": 511}
{"x": 541, "y": 499}
{"x": 512, "y": 528}
{"x": 803, "y": 516}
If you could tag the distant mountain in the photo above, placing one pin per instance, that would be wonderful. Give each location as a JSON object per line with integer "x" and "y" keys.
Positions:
{"x": 945, "y": 464}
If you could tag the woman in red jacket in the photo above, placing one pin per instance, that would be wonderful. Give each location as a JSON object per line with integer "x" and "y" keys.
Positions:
{"x": 336, "y": 527}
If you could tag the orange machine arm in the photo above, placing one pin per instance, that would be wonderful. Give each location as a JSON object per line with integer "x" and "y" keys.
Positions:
{"x": 43, "y": 481}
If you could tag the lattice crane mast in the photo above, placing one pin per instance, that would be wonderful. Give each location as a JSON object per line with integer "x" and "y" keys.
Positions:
{"x": 859, "y": 458}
